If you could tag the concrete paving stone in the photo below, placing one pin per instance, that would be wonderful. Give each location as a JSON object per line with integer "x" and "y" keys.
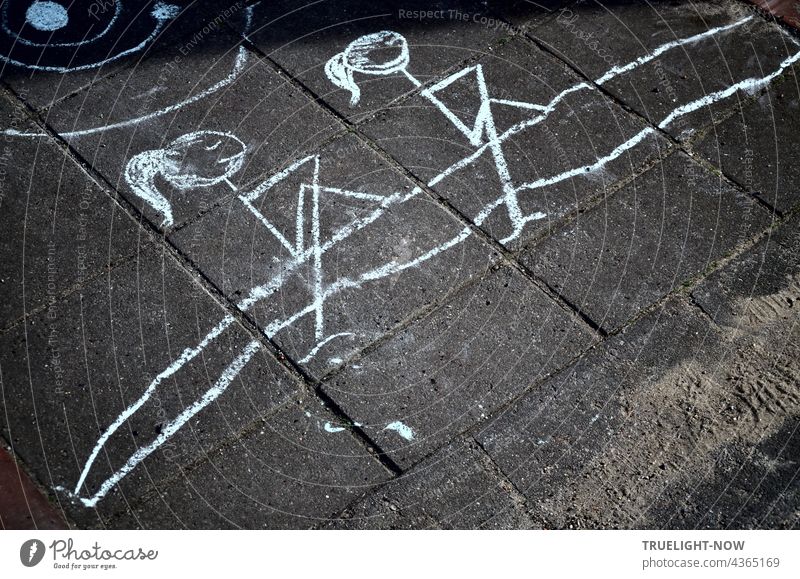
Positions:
{"x": 597, "y": 36}
{"x": 274, "y": 122}
{"x": 453, "y": 369}
{"x": 440, "y": 34}
{"x": 68, "y": 373}
{"x": 601, "y": 426}
{"x": 364, "y": 299}
{"x": 667, "y": 226}
{"x": 744, "y": 487}
{"x": 288, "y": 473}
{"x": 452, "y": 490}
{"x": 741, "y": 472}
{"x": 583, "y": 127}
{"x": 756, "y": 147}
{"x": 763, "y": 280}
{"x": 105, "y": 45}
{"x": 59, "y": 227}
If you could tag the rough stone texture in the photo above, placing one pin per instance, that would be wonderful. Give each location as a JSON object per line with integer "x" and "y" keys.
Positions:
{"x": 275, "y": 121}
{"x": 528, "y": 13}
{"x": 70, "y": 371}
{"x": 59, "y": 227}
{"x": 596, "y": 36}
{"x": 748, "y": 479}
{"x": 301, "y": 39}
{"x": 231, "y": 244}
{"x": 667, "y": 226}
{"x": 755, "y": 145}
{"x": 467, "y": 388}
{"x": 454, "y": 490}
{"x": 582, "y": 126}
{"x": 455, "y": 368}
{"x": 561, "y": 443}
{"x": 743, "y": 486}
{"x": 760, "y": 282}
{"x": 287, "y": 473}
{"x": 640, "y": 433}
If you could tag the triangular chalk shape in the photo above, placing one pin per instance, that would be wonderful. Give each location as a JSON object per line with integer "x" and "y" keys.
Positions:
{"x": 474, "y": 132}
{"x": 507, "y": 114}
{"x": 297, "y": 178}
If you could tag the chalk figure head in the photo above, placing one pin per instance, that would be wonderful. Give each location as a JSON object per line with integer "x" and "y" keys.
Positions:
{"x": 378, "y": 54}
{"x": 202, "y": 159}
{"x": 194, "y": 160}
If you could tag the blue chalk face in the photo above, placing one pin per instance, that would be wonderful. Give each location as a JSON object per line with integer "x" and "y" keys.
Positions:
{"x": 70, "y": 35}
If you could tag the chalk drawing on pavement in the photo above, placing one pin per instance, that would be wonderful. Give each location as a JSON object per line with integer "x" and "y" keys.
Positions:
{"x": 46, "y": 15}
{"x": 46, "y": 25}
{"x": 360, "y": 57}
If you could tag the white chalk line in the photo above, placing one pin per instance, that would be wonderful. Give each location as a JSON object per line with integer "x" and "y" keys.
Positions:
{"x": 268, "y": 224}
{"x": 296, "y": 248}
{"x": 747, "y": 85}
{"x": 317, "y": 249}
{"x": 225, "y": 380}
{"x": 187, "y": 355}
{"x": 618, "y": 70}
{"x": 277, "y": 178}
{"x": 321, "y": 344}
{"x": 354, "y": 194}
{"x": 260, "y": 292}
{"x": 238, "y": 67}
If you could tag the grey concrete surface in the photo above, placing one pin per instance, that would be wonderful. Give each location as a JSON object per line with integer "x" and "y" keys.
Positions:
{"x": 260, "y": 271}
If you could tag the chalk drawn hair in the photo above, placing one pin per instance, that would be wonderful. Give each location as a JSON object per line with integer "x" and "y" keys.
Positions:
{"x": 381, "y": 54}
{"x": 199, "y": 159}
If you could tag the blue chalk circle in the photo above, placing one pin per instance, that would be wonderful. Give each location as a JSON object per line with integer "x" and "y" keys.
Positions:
{"x": 47, "y": 16}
